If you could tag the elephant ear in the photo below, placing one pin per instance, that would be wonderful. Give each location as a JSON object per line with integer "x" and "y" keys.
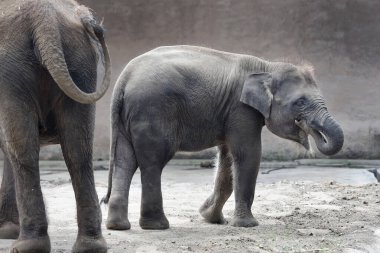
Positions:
{"x": 256, "y": 92}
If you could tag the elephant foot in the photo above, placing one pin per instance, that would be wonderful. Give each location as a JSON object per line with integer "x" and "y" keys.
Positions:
{"x": 248, "y": 221}
{"x": 117, "y": 215}
{"x": 211, "y": 213}
{"x": 86, "y": 244}
{"x": 159, "y": 223}
{"x": 9, "y": 230}
{"x": 118, "y": 224}
{"x": 40, "y": 245}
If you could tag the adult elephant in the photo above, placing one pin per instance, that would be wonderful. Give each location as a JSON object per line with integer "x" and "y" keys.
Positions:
{"x": 52, "y": 55}
{"x": 191, "y": 98}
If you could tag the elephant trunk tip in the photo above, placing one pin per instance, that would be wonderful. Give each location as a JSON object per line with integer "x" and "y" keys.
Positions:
{"x": 330, "y": 138}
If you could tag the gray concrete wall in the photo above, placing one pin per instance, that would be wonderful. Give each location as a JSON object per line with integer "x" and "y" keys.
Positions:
{"x": 340, "y": 38}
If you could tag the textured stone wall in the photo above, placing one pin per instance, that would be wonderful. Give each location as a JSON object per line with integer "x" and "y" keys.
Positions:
{"x": 340, "y": 38}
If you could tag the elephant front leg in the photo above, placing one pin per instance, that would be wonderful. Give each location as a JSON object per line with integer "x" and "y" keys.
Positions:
{"x": 245, "y": 146}
{"x": 211, "y": 209}
{"x": 9, "y": 224}
{"x": 244, "y": 186}
{"x": 245, "y": 174}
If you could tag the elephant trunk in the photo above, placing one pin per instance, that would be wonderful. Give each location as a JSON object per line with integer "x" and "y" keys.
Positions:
{"x": 327, "y": 133}
{"x": 48, "y": 41}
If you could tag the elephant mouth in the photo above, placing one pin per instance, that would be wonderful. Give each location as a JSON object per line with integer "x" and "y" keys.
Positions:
{"x": 318, "y": 134}
{"x": 304, "y": 133}
{"x": 303, "y": 139}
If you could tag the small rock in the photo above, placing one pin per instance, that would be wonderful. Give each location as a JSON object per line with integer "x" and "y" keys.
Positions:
{"x": 313, "y": 231}
{"x": 207, "y": 164}
{"x": 365, "y": 202}
{"x": 186, "y": 248}
{"x": 100, "y": 167}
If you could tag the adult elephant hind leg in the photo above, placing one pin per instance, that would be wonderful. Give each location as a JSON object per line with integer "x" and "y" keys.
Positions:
{"x": 21, "y": 147}
{"x": 9, "y": 223}
{"x": 211, "y": 209}
{"x": 124, "y": 167}
{"x": 75, "y": 130}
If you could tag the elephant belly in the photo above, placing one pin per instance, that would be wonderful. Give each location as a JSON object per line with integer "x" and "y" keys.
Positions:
{"x": 199, "y": 139}
{"x": 194, "y": 147}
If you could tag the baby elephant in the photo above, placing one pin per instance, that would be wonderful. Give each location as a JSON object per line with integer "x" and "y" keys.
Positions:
{"x": 187, "y": 98}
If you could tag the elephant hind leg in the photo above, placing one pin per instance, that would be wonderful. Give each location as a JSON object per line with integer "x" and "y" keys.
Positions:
{"x": 124, "y": 167}
{"x": 75, "y": 127}
{"x": 9, "y": 223}
{"x": 152, "y": 214}
{"x": 153, "y": 150}
{"x": 211, "y": 209}
{"x": 21, "y": 147}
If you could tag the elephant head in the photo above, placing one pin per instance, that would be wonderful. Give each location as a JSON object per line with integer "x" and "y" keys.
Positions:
{"x": 293, "y": 106}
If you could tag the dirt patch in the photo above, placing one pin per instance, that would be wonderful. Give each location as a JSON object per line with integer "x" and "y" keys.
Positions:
{"x": 294, "y": 217}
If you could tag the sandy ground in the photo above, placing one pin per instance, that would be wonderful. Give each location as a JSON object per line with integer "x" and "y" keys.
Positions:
{"x": 306, "y": 209}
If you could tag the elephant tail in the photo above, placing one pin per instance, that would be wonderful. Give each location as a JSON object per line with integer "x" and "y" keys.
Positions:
{"x": 117, "y": 103}
{"x": 48, "y": 41}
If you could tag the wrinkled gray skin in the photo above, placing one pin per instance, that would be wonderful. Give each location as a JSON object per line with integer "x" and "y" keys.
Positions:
{"x": 51, "y": 53}
{"x": 191, "y": 98}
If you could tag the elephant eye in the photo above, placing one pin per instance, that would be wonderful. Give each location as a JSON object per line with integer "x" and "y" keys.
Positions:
{"x": 300, "y": 102}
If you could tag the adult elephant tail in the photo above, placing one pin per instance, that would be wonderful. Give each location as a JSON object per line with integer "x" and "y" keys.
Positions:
{"x": 47, "y": 39}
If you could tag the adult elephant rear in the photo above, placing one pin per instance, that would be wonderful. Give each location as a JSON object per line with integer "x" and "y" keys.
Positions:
{"x": 48, "y": 41}
{"x": 52, "y": 54}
